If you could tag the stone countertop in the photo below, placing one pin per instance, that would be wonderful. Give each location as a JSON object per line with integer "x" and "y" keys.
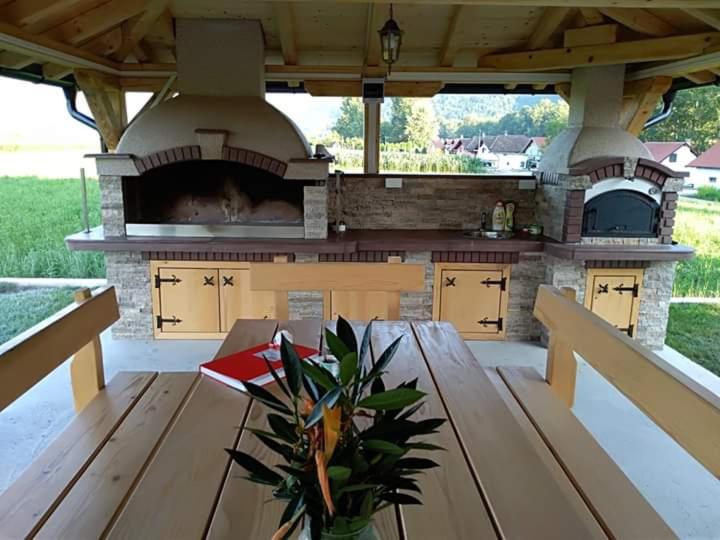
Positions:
{"x": 379, "y": 240}
{"x": 349, "y": 242}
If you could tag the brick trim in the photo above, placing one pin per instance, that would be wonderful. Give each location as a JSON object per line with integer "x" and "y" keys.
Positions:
{"x": 616, "y": 264}
{"x": 598, "y": 169}
{"x": 213, "y": 256}
{"x": 165, "y": 157}
{"x": 573, "y": 218}
{"x": 254, "y": 159}
{"x": 501, "y": 257}
{"x": 668, "y": 208}
{"x": 360, "y": 256}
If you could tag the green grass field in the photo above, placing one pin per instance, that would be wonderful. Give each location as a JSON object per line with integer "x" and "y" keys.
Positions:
{"x": 698, "y": 225}
{"x": 35, "y": 216}
{"x": 694, "y": 330}
{"x": 22, "y": 308}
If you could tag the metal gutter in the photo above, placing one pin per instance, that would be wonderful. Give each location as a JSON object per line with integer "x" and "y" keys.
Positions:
{"x": 666, "y": 111}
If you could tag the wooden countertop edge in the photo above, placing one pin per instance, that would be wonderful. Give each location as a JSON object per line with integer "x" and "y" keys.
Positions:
{"x": 611, "y": 252}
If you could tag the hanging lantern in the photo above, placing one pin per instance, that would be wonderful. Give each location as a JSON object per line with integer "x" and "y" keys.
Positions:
{"x": 390, "y": 40}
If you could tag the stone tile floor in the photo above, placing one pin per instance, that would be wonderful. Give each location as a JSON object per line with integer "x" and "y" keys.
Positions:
{"x": 683, "y": 492}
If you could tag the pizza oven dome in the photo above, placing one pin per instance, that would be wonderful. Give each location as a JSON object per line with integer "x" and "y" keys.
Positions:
{"x": 251, "y": 123}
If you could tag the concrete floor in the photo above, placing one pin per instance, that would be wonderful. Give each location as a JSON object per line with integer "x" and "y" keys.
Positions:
{"x": 681, "y": 490}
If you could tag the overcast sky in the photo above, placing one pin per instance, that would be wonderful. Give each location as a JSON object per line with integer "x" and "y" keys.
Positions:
{"x": 35, "y": 114}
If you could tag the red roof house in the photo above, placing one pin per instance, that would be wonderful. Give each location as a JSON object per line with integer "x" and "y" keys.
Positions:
{"x": 710, "y": 159}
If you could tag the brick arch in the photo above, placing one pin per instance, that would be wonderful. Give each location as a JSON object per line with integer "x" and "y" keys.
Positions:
{"x": 194, "y": 152}
{"x": 599, "y": 169}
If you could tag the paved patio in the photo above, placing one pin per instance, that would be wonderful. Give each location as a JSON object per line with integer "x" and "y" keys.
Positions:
{"x": 683, "y": 492}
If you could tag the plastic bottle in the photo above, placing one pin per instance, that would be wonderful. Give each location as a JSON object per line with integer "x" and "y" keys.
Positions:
{"x": 509, "y": 216}
{"x": 498, "y": 217}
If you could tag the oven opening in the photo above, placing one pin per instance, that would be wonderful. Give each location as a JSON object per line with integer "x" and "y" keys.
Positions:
{"x": 621, "y": 213}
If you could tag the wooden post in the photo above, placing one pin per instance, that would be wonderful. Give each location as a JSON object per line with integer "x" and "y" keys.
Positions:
{"x": 371, "y": 163}
{"x": 86, "y": 368}
{"x": 561, "y": 369}
{"x": 106, "y": 100}
{"x": 282, "y": 310}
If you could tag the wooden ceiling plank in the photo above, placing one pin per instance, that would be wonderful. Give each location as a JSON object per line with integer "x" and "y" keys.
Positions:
{"x": 55, "y": 72}
{"x": 591, "y": 35}
{"x": 592, "y": 16}
{"x": 135, "y": 29}
{"x": 628, "y": 52}
{"x": 96, "y": 21}
{"x": 451, "y": 40}
{"x": 374, "y": 23}
{"x": 639, "y": 20}
{"x": 709, "y": 17}
{"x": 701, "y": 77}
{"x": 549, "y": 23}
{"x": 28, "y": 12}
{"x": 284, "y": 15}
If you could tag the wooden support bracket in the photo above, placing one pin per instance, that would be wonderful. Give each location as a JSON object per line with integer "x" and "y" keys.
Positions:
{"x": 107, "y": 103}
{"x": 641, "y": 97}
{"x": 86, "y": 368}
{"x": 561, "y": 370}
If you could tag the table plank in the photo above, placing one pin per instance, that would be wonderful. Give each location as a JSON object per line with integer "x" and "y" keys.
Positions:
{"x": 593, "y": 471}
{"x": 458, "y": 510}
{"x": 525, "y": 497}
{"x": 246, "y": 509}
{"x": 92, "y": 502}
{"x": 27, "y": 503}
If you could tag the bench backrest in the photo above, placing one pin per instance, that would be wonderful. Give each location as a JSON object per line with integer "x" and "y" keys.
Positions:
{"x": 391, "y": 278}
{"x": 687, "y": 411}
{"x": 27, "y": 358}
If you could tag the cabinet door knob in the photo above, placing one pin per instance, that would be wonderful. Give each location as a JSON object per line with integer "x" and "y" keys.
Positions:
{"x": 450, "y": 281}
{"x": 208, "y": 281}
{"x": 228, "y": 281}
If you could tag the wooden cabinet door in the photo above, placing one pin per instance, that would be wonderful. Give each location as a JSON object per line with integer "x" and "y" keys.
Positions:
{"x": 189, "y": 300}
{"x": 473, "y": 301}
{"x": 237, "y": 301}
{"x": 359, "y": 306}
{"x": 615, "y": 298}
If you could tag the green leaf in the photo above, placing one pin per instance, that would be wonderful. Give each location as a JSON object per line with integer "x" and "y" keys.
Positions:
{"x": 292, "y": 511}
{"x": 416, "y": 464}
{"x": 400, "y": 498}
{"x": 346, "y": 333}
{"x": 275, "y": 376}
{"x": 365, "y": 344}
{"x": 355, "y": 487}
{"x": 319, "y": 374}
{"x": 310, "y": 387}
{"x": 292, "y": 364}
{"x": 348, "y": 365}
{"x": 262, "y": 395}
{"x": 412, "y": 410}
{"x": 283, "y": 449}
{"x": 377, "y": 386}
{"x": 338, "y": 472}
{"x": 283, "y": 428}
{"x": 366, "y": 507}
{"x": 385, "y": 447}
{"x": 385, "y": 357}
{"x": 391, "y": 399}
{"x": 328, "y": 400}
{"x": 254, "y": 467}
{"x": 336, "y": 345}
{"x": 424, "y": 446}
{"x": 400, "y": 482}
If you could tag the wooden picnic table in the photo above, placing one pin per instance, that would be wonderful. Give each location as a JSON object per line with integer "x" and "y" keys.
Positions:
{"x": 145, "y": 458}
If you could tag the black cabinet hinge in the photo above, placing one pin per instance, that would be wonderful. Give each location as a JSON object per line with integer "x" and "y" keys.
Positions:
{"x": 630, "y": 330}
{"x": 159, "y": 321}
{"x": 498, "y": 323}
{"x": 208, "y": 281}
{"x": 173, "y": 279}
{"x": 635, "y": 290}
{"x": 228, "y": 281}
{"x": 450, "y": 281}
{"x": 502, "y": 282}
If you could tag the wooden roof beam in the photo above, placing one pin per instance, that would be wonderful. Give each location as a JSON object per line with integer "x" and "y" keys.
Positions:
{"x": 106, "y": 100}
{"x": 134, "y": 29}
{"x": 601, "y": 34}
{"x": 701, "y": 77}
{"x": 96, "y": 21}
{"x": 374, "y": 23}
{"x": 709, "y": 17}
{"x": 29, "y": 12}
{"x": 627, "y": 52}
{"x": 592, "y": 16}
{"x": 641, "y": 97}
{"x": 549, "y": 23}
{"x": 451, "y": 41}
{"x": 284, "y": 15}
{"x": 639, "y": 20}
{"x": 15, "y": 60}
{"x": 103, "y": 45}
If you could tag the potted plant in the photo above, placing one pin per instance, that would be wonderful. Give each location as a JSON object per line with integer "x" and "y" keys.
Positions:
{"x": 343, "y": 437}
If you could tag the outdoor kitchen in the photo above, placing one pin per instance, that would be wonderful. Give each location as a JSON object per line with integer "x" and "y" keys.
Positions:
{"x": 210, "y": 182}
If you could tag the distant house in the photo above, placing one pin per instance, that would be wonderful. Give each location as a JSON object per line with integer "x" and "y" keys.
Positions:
{"x": 674, "y": 155}
{"x": 499, "y": 152}
{"x": 705, "y": 169}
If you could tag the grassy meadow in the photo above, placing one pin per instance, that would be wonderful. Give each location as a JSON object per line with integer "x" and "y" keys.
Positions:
{"x": 698, "y": 225}
{"x": 694, "y": 330}
{"x": 25, "y": 307}
{"x": 35, "y": 217}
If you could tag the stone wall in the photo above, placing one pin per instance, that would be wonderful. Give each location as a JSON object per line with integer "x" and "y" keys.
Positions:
{"x": 305, "y": 304}
{"x": 550, "y": 210}
{"x": 315, "y": 209}
{"x": 111, "y": 205}
{"x": 418, "y": 305}
{"x": 430, "y": 202}
{"x": 655, "y": 304}
{"x": 525, "y": 278}
{"x": 130, "y": 274}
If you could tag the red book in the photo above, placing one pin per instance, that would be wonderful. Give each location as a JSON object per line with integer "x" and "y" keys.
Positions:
{"x": 248, "y": 365}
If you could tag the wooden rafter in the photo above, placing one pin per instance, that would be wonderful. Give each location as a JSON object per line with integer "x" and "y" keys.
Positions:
{"x": 14, "y": 60}
{"x": 96, "y": 21}
{"x": 641, "y": 97}
{"x": 284, "y": 15}
{"x": 549, "y": 23}
{"x": 341, "y": 88}
{"x": 451, "y": 40}
{"x": 601, "y": 34}
{"x": 592, "y": 16}
{"x": 643, "y": 50}
{"x": 103, "y": 45}
{"x": 374, "y": 22}
{"x": 106, "y": 100}
{"x": 701, "y": 77}
{"x": 135, "y": 29}
{"x": 639, "y": 20}
{"x": 31, "y": 12}
{"x": 563, "y": 90}
{"x": 709, "y": 17}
